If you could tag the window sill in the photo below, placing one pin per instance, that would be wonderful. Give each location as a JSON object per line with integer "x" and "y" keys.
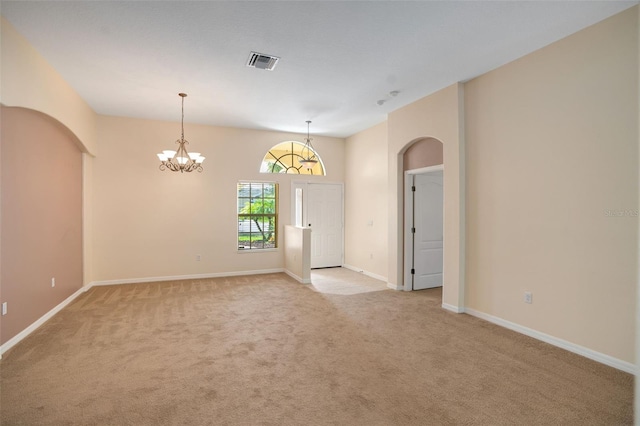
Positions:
{"x": 257, "y": 250}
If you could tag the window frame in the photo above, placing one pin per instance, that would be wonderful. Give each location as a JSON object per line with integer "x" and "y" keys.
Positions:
{"x": 257, "y": 218}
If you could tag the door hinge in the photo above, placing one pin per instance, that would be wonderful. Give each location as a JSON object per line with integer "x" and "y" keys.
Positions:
{"x": 413, "y": 271}
{"x": 413, "y": 188}
{"x": 413, "y": 230}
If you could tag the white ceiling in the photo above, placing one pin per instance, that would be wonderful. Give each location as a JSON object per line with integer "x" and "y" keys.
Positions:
{"x": 131, "y": 58}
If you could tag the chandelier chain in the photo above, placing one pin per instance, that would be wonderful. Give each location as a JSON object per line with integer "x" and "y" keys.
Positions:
{"x": 182, "y": 121}
{"x": 310, "y": 160}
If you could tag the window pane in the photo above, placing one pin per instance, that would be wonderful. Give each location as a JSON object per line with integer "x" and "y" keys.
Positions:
{"x": 257, "y": 208}
{"x": 243, "y": 205}
{"x": 268, "y": 206}
{"x": 243, "y": 189}
{"x": 285, "y": 158}
{"x": 269, "y": 190}
{"x": 256, "y": 190}
{"x": 244, "y": 240}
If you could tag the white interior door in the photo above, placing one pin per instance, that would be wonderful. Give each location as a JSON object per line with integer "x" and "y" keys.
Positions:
{"x": 324, "y": 216}
{"x": 428, "y": 234}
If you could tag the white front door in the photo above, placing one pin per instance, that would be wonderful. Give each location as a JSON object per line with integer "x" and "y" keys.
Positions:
{"x": 324, "y": 217}
{"x": 428, "y": 234}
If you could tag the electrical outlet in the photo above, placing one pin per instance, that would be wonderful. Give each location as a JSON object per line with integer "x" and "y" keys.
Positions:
{"x": 198, "y": 258}
{"x": 4, "y": 308}
{"x": 528, "y": 297}
{"x": 53, "y": 282}
{"x": 370, "y": 255}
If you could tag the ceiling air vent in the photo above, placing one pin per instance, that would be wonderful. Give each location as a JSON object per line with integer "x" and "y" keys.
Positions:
{"x": 262, "y": 61}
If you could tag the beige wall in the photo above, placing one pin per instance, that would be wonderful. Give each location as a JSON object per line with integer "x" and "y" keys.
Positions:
{"x": 437, "y": 116}
{"x": 29, "y": 81}
{"x": 552, "y": 154}
{"x": 366, "y": 216}
{"x": 87, "y": 218}
{"x": 41, "y": 217}
{"x": 149, "y": 223}
{"x": 637, "y": 381}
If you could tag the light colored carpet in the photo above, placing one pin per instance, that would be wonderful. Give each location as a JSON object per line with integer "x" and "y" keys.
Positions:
{"x": 265, "y": 350}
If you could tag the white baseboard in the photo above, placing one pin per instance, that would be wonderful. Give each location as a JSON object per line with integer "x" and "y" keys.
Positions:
{"x": 367, "y": 273}
{"x": 187, "y": 277}
{"x": 396, "y": 287}
{"x": 571, "y": 347}
{"x": 452, "y": 308}
{"x": 30, "y": 329}
{"x": 297, "y": 278}
{"x": 555, "y": 341}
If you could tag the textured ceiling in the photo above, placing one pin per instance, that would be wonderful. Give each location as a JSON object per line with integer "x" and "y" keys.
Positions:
{"x": 337, "y": 58}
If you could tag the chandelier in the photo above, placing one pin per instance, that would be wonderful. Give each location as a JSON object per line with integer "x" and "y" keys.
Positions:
{"x": 309, "y": 160}
{"x": 181, "y": 160}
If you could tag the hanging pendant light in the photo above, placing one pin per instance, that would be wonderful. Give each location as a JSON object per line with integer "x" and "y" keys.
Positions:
{"x": 309, "y": 160}
{"x": 181, "y": 160}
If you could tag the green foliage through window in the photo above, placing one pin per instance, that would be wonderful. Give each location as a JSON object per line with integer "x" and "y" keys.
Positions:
{"x": 257, "y": 215}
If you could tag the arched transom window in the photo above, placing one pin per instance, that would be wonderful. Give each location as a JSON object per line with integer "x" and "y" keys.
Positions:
{"x": 285, "y": 158}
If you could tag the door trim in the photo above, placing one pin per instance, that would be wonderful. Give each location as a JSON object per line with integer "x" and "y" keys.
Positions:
{"x": 408, "y": 219}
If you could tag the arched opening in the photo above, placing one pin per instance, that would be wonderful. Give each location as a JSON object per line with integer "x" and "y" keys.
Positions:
{"x": 423, "y": 223}
{"x": 423, "y": 153}
{"x": 285, "y": 158}
{"x": 42, "y": 216}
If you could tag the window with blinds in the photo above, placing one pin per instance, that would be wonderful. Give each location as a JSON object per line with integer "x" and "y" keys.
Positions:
{"x": 257, "y": 215}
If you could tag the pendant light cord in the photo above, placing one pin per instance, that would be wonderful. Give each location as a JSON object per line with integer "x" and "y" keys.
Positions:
{"x": 182, "y": 122}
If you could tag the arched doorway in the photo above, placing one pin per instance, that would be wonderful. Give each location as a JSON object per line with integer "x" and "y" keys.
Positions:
{"x": 425, "y": 152}
{"x": 423, "y": 215}
{"x": 42, "y": 217}
{"x": 439, "y": 116}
